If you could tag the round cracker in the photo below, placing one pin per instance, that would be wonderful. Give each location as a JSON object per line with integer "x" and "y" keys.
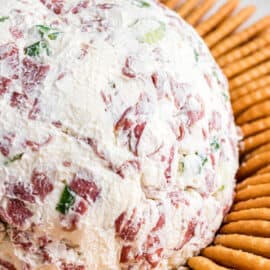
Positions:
{"x": 252, "y": 191}
{"x": 254, "y": 180}
{"x": 202, "y": 263}
{"x": 248, "y": 214}
{"x": 249, "y": 227}
{"x": 253, "y": 203}
{"x": 252, "y": 165}
{"x": 236, "y": 259}
{"x": 256, "y": 245}
{"x": 255, "y": 127}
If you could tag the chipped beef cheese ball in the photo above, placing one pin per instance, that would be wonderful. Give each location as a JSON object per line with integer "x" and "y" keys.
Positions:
{"x": 118, "y": 147}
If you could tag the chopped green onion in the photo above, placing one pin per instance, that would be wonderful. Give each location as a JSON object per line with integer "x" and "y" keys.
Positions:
{"x": 221, "y": 188}
{"x": 66, "y": 201}
{"x": 14, "y": 158}
{"x": 226, "y": 97}
{"x": 3, "y": 18}
{"x": 215, "y": 145}
{"x": 155, "y": 35}
{"x": 36, "y": 48}
{"x": 140, "y": 3}
{"x": 196, "y": 54}
{"x": 53, "y": 36}
{"x": 43, "y": 30}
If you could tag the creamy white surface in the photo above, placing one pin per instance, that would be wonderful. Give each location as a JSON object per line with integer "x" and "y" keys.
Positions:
{"x": 179, "y": 58}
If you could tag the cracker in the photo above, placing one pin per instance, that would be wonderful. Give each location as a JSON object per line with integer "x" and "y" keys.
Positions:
{"x": 241, "y": 37}
{"x": 187, "y": 7}
{"x": 259, "y": 228}
{"x": 264, "y": 170}
{"x": 209, "y": 24}
{"x": 262, "y": 149}
{"x": 255, "y": 245}
{"x": 198, "y": 13}
{"x": 251, "y": 99}
{"x": 245, "y": 50}
{"x": 255, "y": 112}
{"x": 255, "y": 141}
{"x": 202, "y": 263}
{"x": 254, "y": 180}
{"x": 248, "y": 214}
{"x": 252, "y": 165}
{"x": 255, "y": 127}
{"x": 249, "y": 87}
{"x": 228, "y": 26}
{"x": 252, "y": 191}
{"x": 250, "y": 75}
{"x": 247, "y": 62}
{"x": 171, "y": 3}
{"x": 253, "y": 203}
{"x": 236, "y": 259}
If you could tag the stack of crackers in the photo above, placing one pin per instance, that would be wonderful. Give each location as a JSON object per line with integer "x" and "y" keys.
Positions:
{"x": 243, "y": 241}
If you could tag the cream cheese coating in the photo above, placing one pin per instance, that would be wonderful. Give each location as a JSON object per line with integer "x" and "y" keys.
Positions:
{"x": 118, "y": 147}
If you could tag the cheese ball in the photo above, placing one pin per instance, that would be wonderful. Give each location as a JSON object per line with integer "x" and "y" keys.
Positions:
{"x": 118, "y": 148}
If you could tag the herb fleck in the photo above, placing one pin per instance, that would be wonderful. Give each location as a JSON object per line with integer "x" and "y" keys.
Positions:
{"x": 3, "y": 18}
{"x": 140, "y": 3}
{"x": 14, "y": 158}
{"x": 196, "y": 55}
{"x": 215, "y": 145}
{"x": 37, "y": 48}
{"x": 66, "y": 201}
{"x": 155, "y": 35}
{"x": 226, "y": 97}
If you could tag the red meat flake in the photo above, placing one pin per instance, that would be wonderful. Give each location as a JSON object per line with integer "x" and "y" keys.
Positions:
{"x": 35, "y": 146}
{"x": 41, "y": 184}
{"x": 9, "y": 53}
{"x": 128, "y": 228}
{"x": 18, "y": 212}
{"x": 80, "y": 6}
{"x": 7, "y": 265}
{"x": 20, "y": 191}
{"x": 18, "y": 100}
{"x": 56, "y": 6}
{"x": 21, "y": 238}
{"x": 16, "y": 32}
{"x": 6, "y": 143}
{"x": 127, "y": 70}
{"x": 33, "y": 74}
{"x": 86, "y": 188}
{"x": 168, "y": 170}
{"x": 71, "y": 266}
{"x": 126, "y": 254}
{"x": 215, "y": 121}
{"x": 160, "y": 223}
{"x": 4, "y": 85}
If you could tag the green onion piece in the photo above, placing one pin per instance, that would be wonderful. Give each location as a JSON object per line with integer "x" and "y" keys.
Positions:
{"x": 36, "y": 48}
{"x": 140, "y": 3}
{"x": 43, "y": 30}
{"x": 155, "y": 35}
{"x": 53, "y": 36}
{"x": 226, "y": 97}
{"x": 14, "y": 158}
{"x": 66, "y": 201}
{"x": 215, "y": 145}
{"x": 221, "y": 188}
{"x": 3, "y": 18}
{"x": 196, "y": 55}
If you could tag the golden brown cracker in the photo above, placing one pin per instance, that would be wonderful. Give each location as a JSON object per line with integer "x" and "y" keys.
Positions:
{"x": 259, "y": 228}
{"x": 243, "y": 64}
{"x": 202, "y": 263}
{"x": 241, "y": 37}
{"x": 262, "y": 149}
{"x": 252, "y": 191}
{"x": 209, "y": 24}
{"x": 236, "y": 259}
{"x": 250, "y": 75}
{"x": 248, "y": 214}
{"x": 253, "y": 203}
{"x": 254, "y": 142}
{"x": 187, "y": 7}
{"x": 264, "y": 170}
{"x": 255, "y": 112}
{"x": 256, "y": 245}
{"x": 198, "y": 13}
{"x": 251, "y": 99}
{"x": 249, "y": 87}
{"x": 255, "y": 127}
{"x": 228, "y": 26}
{"x": 171, "y": 3}
{"x": 254, "y": 180}
{"x": 245, "y": 50}
{"x": 252, "y": 165}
